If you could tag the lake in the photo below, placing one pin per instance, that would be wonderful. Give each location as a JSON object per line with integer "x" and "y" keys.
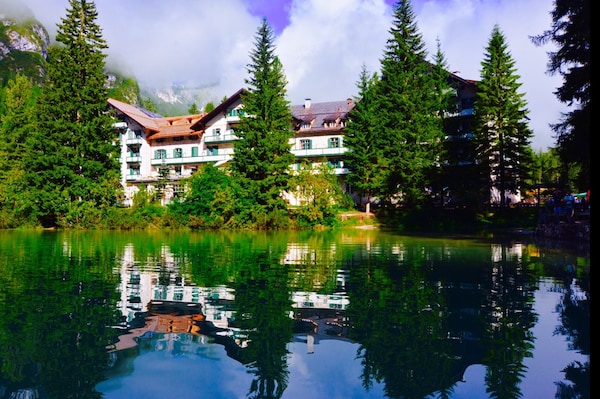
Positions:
{"x": 353, "y": 313}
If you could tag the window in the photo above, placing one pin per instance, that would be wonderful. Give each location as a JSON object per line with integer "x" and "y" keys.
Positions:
{"x": 177, "y": 153}
{"x": 335, "y": 163}
{"x": 334, "y": 142}
{"x": 134, "y": 171}
{"x": 135, "y": 134}
{"x": 305, "y": 125}
{"x": 212, "y": 150}
{"x": 216, "y": 132}
{"x": 160, "y": 154}
{"x": 305, "y": 144}
{"x": 236, "y": 112}
{"x": 194, "y": 151}
{"x": 178, "y": 170}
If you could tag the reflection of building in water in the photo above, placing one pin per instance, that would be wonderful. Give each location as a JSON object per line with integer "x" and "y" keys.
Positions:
{"x": 150, "y": 291}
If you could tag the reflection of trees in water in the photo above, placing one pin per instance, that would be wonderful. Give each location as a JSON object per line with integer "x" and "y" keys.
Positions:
{"x": 398, "y": 319}
{"x": 56, "y": 318}
{"x": 574, "y": 311}
{"x": 508, "y": 318}
{"x": 263, "y": 308}
{"x": 421, "y": 320}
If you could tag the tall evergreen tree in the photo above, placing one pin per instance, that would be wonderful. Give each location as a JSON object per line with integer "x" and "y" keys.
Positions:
{"x": 361, "y": 131}
{"x": 444, "y": 97}
{"x": 410, "y": 132}
{"x": 15, "y": 124}
{"x": 570, "y": 31}
{"x": 262, "y": 156}
{"x": 74, "y": 165}
{"x": 502, "y": 135}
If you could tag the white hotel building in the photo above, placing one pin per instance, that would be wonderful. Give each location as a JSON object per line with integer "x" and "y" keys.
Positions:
{"x": 176, "y": 146}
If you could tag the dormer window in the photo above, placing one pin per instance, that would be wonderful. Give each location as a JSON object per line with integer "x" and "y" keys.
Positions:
{"x": 305, "y": 125}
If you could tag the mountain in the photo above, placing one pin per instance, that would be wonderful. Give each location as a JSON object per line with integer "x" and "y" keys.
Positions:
{"x": 24, "y": 43}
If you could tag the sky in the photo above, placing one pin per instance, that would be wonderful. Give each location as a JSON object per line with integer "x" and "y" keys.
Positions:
{"x": 322, "y": 44}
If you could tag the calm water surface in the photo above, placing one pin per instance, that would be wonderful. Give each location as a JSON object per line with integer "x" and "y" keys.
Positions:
{"x": 346, "y": 314}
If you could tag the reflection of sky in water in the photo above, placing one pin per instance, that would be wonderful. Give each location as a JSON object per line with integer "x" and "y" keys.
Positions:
{"x": 544, "y": 368}
{"x": 330, "y": 372}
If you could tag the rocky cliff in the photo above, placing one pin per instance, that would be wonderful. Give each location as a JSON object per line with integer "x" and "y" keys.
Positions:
{"x": 24, "y": 42}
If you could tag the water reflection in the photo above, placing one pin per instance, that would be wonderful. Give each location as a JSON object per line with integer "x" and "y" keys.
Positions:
{"x": 418, "y": 314}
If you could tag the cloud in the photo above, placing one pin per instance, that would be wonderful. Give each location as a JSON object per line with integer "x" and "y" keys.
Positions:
{"x": 322, "y": 44}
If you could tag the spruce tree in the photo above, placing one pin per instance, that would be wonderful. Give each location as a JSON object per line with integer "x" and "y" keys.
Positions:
{"x": 74, "y": 169}
{"x": 570, "y": 31}
{"x": 360, "y": 135}
{"x": 262, "y": 155}
{"x": 502, "y": 135}
{"x": 445, "y": 95}
{"x": 410, "y": 132}
{"x": 15, "y": 124}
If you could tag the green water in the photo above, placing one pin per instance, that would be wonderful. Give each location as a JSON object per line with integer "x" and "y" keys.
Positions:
{"x": 334, "y": 314}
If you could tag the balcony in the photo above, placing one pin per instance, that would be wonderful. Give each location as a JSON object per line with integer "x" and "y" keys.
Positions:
{"x": 232, "y": 118}
{"x": 134, "y": 142}
{"x": 134, "y": 159}
{"x": 134, "y": 177}
{"x": 190, "y": 160}
{"x": 319, "y": 152}
{"x": 220, "y": 138}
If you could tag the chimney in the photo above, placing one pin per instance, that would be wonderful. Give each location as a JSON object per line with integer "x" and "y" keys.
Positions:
{"x": 307, "y": 103}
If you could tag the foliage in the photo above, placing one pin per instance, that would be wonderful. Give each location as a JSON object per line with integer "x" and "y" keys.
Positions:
{"x": 149, "y": 105}
{"x": 445, "y": 98}
{"x": 409, "y": 132}
{"x": 570, "y": 31}
{"x": 125, "y": 89}
{"x": 319, "y": 193}
{"x": 262, "y": 155}
{"x": 364, "y": 155}
{"x": 15, "y": 124}
{"x": 209, "y": 106}
{"x": 546, "y": 168}
{"x": 501, "y": 131}
{"x": 211, "y": 200}
{"x": 71, "y": 150}
{"x": 26, "y": 63}
{"x": 193, "y": 109}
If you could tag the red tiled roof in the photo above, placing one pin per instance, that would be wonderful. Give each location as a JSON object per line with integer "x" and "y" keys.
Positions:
{"x": 157, "y": 126}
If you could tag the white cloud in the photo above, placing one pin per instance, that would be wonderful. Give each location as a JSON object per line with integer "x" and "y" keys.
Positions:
{"x": 207, "y": 42}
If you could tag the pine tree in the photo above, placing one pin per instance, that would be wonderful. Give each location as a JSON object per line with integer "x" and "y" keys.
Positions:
{"x": 445, "y": 95}
{"x": 411, "y": 133}
{"x": 262, "y": 155}
{"x": 570, "y": 31}
{"x": 502, "y": 135}
{"x": 74, "y": 165}
{"x": 15, "y": 124}
{"x": 360, "y": 135}
{"x": 193, "y": 109}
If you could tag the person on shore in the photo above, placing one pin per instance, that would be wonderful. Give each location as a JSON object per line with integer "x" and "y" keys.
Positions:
{"x": 557, "y": 201}
{"x": 569, "y": 210}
